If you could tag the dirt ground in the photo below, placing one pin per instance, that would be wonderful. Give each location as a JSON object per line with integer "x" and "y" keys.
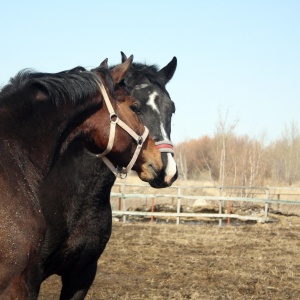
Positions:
{"x": 156, "y": 261}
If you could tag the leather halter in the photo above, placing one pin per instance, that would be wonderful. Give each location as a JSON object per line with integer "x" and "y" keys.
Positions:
{"x": 165, "y": 146}
{"x": 114, "y": 120}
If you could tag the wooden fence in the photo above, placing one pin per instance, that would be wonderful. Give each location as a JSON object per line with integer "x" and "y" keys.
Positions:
{"x": 224, "y": 196}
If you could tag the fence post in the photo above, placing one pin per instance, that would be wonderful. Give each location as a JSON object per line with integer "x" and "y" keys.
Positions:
{"x": 267, "y": 205}
{"x": 123, "y": 202}
{"x": 152, "y": 209}
{"x": 120, "y": 198}
{"x": 228, "y": 211}
{"x": 220, "y": 205}
{"x": 178, "y": 205}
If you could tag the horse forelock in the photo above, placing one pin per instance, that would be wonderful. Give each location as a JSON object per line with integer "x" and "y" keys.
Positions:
{"x": 74, "y": 85}
{"x": 107, "y": 78}
{"x": 152, "y": 73}
{"x": 140, "y": 70}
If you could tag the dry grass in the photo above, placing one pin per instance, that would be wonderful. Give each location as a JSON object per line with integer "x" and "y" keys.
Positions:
{"x": 161, "y": 262}
{"x": 158, "y": 262}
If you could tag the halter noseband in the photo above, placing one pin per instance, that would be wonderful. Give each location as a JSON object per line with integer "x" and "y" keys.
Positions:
{"x": 114, "y": 120}
{"x": 165, "y": 146}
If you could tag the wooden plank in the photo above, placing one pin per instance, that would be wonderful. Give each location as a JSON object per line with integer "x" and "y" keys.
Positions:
{"x": 267, "y": 201}
{"x": 185, "y": 215}
{"x": 209, "y": 198}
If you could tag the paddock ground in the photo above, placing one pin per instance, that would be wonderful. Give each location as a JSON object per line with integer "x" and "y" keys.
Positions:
{"x": 158, "y": 262}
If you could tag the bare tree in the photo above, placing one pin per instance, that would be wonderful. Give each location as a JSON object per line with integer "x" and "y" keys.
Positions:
{"x": 225, "y": 132}
{"x": 182, "y": 166}
{"x": 291, "y": 139}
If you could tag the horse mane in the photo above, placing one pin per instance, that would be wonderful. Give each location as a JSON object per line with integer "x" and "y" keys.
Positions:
{"x": 151, "y": 72}
{"x": 75, "y": 85}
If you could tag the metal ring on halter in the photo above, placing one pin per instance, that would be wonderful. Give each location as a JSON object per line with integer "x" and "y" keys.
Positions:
{"x": 121, "y": 174}
{"x": 114, "y": 117}
{"x": 140, "y": 140}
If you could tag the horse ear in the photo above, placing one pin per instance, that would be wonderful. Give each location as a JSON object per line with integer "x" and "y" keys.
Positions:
{"x": 169, "y": 70}
{"x": 40, "y": 96}
{"x": 39, "y": 93}
{"x": 124, "y": 57}
{"x": 104, "y": 64}
{"x": 119, "y": 71}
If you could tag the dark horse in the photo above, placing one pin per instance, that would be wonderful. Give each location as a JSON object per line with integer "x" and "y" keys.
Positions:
{"x": 147, "y": 84}
{"x": 42, "y": 118}
{"x": 80, "y": 228}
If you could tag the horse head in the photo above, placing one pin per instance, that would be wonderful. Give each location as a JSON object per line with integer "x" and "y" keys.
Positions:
{"x": 119, "y": 137}
{"x": 147, "y": 84}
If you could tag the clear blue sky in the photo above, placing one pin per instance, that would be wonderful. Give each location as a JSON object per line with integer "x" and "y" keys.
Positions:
{"x": 240, "y": 57}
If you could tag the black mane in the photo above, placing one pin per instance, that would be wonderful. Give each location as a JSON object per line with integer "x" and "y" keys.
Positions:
{"x": 146, "y": 69}
{"x": 73, "y": 85}
{"x": 149, "y": 71}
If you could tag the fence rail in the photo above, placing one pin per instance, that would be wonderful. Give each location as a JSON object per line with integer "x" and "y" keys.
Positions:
{"x": 268, "y": 192}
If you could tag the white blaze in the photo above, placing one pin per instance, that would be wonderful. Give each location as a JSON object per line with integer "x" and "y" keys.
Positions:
{"x": 170, "y": 169}
{"x": 141, "y": 86}
{"x": 151, "y": 101}
{"x": 171, "y": 164}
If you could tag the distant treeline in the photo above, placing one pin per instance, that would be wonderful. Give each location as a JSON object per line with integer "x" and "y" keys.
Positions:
{"x": 228, "y": 159}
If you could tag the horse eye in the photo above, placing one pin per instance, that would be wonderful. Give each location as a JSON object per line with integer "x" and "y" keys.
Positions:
{"x": 135, "y": 107}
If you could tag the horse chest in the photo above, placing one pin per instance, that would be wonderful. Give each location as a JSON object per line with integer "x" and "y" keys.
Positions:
{"x": 81, "y": 242}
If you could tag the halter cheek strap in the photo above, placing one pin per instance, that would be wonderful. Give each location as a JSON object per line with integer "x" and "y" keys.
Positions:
{"x": 114, "y": 120}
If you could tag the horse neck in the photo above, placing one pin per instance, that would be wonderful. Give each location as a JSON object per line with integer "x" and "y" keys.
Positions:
{"x": 17, "y": 171}
{"x": 33, "y": 146}
{"x": 91, "y": 177}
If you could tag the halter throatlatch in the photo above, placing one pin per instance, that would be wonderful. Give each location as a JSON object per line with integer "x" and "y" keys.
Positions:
{"x": 114, "y": 120}
{"x": 165, "y": 146}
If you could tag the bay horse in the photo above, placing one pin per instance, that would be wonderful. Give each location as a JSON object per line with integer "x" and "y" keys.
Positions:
{"x": 42, "y": 116}
{"x": 78, "y": 232}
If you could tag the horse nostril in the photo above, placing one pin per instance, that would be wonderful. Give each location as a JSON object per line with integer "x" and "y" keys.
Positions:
{"x": 153, "y": 169}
